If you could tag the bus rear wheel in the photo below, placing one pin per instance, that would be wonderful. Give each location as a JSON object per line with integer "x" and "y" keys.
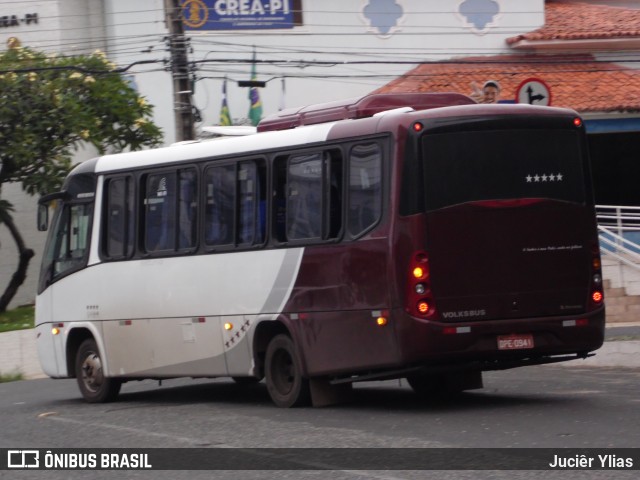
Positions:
{"x": 94, "y": 386}
{"x": 283, "y": 372}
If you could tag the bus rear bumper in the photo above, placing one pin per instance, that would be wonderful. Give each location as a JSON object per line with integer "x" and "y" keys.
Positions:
{"x": 434, "y": 348}
{"x": 493, "y": 343}
{"x": 453, "y": 367}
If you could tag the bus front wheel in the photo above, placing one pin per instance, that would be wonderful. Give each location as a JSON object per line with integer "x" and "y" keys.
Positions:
{"x": 94, "y": 386}
{"x": 283, "y": 372}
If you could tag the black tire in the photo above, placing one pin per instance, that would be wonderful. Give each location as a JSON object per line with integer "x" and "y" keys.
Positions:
{"x": 94, "y": 386}
{"x": 283, "y": 372}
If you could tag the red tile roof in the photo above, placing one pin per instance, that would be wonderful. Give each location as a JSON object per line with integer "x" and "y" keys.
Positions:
{"x": 579, "y": 82}
{"x": 581, "y": 21}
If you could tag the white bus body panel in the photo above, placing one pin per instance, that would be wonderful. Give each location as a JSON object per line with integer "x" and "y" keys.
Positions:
{"x": 44, "y": 342}
{"x": 216, "y": 148}
{"x": 165, "y": 317}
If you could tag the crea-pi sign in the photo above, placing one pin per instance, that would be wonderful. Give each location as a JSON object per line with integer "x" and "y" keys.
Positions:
{"x": 240, "y": 14}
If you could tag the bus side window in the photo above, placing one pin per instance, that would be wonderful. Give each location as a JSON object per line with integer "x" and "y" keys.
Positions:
{"x": 365, "y": 192}
{"x": 247, "y": 187}
{"x": 171, "y": 203}
{"x": 119, "y": 221}
{"x": 333, "y": 194}
{"x": 314, "y": 196}
{"x": 304, "y": 197}
{"x": 72, "y": 238}
{"x": 279, "y": 214}
{"x": 187, "y": 208}
{"x": 220, "y": 188}
{"x": 251, "y": 188}
{"x": 160, "y": 218}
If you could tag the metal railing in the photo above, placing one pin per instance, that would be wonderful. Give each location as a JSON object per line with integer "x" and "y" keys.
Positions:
{"x": 619, "y": 232}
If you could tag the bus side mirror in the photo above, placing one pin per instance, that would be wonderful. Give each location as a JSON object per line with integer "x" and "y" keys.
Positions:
{"x": 43, "y": 217}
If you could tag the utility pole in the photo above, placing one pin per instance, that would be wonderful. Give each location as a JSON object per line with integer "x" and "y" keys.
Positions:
{"x": 178, "y": 47}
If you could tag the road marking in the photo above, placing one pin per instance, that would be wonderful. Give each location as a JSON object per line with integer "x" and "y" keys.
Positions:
{"x": 138, "y": 431}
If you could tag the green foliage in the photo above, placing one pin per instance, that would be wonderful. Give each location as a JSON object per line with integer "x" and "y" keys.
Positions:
{"x": 50, "y": 105}
{"x": 10, "y": 377}
{"x": 17, "y": 319}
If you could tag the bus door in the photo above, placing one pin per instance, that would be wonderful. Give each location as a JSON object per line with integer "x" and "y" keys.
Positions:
{"x": 67, "y": 251}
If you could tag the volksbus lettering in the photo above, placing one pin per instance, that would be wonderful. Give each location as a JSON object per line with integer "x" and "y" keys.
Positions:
{"x": 465, "y": 314}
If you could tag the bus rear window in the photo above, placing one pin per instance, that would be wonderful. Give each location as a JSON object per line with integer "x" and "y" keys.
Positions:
{"x": 463, "y": 167}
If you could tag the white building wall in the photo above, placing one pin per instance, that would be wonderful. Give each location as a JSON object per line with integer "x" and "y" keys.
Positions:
{"x": 333, "y": 31}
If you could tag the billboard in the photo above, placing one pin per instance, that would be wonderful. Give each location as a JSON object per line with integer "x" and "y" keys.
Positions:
{"x": 207, "y": 15}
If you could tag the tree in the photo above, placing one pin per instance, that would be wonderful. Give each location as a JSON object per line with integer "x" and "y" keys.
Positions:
{"x": 49, "y": 106}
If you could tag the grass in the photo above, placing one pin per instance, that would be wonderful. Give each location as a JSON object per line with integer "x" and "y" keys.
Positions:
{"x": 10, "y": 377}
{"x": 17, "y": 319}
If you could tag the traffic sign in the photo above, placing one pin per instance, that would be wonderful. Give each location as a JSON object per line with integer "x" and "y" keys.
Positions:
{"x": 534, "y": 92}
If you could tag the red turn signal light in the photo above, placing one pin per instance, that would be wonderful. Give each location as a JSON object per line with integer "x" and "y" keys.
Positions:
{"x": 597, "y": 296}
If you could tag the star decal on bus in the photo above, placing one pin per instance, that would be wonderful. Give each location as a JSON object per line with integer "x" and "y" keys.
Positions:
{"x": 552, "y": 177}
{"x": 236, "y": 337}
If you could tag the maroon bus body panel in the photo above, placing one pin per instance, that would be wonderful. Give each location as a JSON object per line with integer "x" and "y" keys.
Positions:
{"x": 510, "y": 262}
{"x": 500, "y": 267}
{"x": 338, "y": 291}
{"x": 471, "y": 340}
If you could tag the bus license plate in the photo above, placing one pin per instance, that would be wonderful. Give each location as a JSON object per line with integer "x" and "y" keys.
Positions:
{"x": 515, "y": 342}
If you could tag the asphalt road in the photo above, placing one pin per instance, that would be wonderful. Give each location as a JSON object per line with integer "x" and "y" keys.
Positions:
{"x": 545, "y": 406}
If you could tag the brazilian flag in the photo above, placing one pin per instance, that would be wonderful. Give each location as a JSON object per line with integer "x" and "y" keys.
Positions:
{"x": 255, "y": 111}
{"x": 225, "y": 115}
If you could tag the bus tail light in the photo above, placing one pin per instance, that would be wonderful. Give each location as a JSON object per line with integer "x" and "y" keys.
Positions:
{"x": 423, "y": 307}
{"x": 597, "y": 296}
{"x": 597, "y": 288}
{"x": 419, "y": 297}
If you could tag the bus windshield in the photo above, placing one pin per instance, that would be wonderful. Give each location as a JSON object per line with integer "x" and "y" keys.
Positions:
{"x": 471, "y": 166}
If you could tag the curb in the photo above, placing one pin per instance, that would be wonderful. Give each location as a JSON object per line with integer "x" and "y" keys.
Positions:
{"x": 617, "y": 353}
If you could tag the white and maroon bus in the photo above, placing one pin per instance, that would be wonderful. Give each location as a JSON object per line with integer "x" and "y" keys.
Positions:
{"x": 405, "y": 235}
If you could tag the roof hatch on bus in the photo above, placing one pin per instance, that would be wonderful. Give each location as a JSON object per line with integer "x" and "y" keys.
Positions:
{"x": 360, "y": 107}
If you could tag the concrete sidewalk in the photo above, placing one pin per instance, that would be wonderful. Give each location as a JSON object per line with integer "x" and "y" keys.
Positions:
{"x": 18, "y": 353}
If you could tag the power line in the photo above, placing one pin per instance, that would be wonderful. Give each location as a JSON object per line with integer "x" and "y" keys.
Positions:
{"x": 77, "y": 68}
